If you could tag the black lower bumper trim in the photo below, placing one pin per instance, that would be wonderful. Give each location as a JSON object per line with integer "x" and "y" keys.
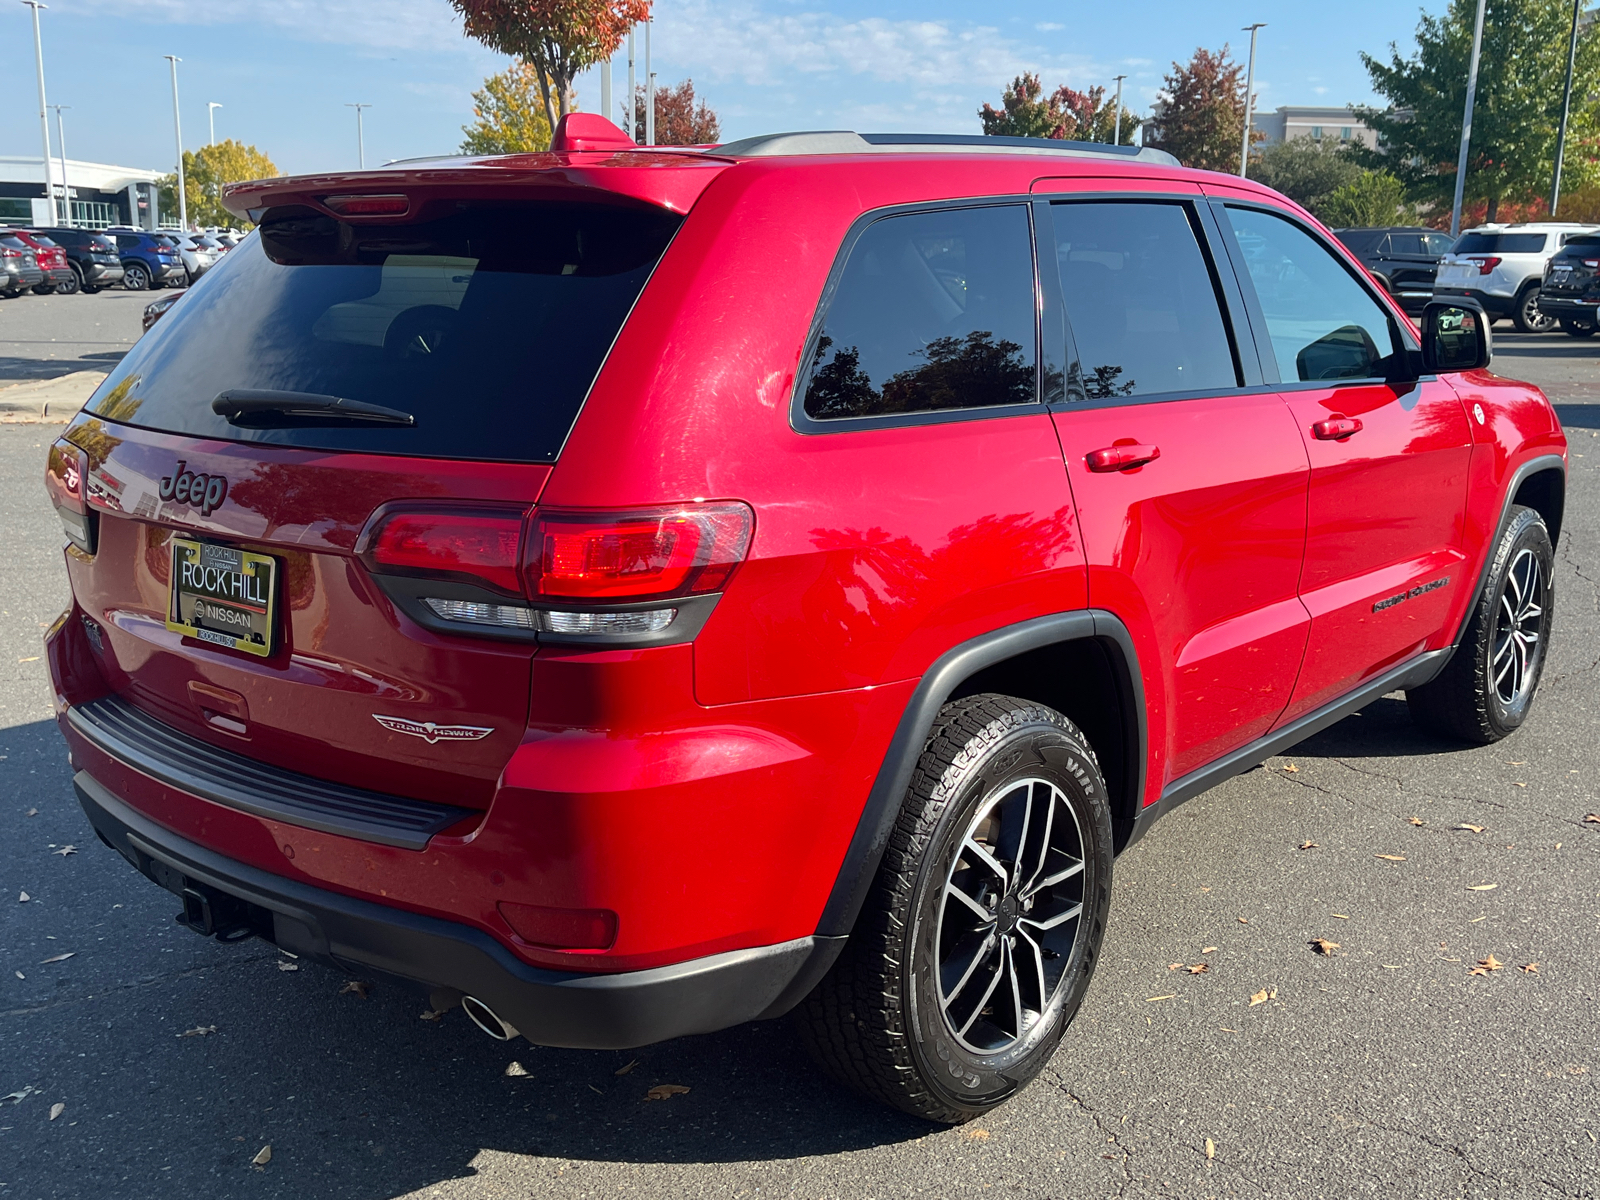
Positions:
{"x": 550, "y": 1008}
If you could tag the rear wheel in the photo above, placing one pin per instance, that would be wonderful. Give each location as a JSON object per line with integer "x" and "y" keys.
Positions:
{"x": 1486, "y": 690}
{"x": 1577, "y": 327}
{"x": 983, "y": 926}
{"x": 1527, "y": 316}
{"x": 71, "y": 285}
{"x": 136, "y": 277}
{"x": 44, "y": 289}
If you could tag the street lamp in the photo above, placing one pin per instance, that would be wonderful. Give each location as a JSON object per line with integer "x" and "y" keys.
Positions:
{"x": 1466, "y": 123}
{"x": 1249, "y": 95}
{"x": 44, "y": 114}
{"x": 633, "y": 111}
{"x": 361, "y": 137}
{"x": 211, "y": 115}
{"x": 1566, "y": 108}
{"x": 649, "y": 90}
{"x": 1116, "y": 136}
{"x": 177, "y": 133}
{"x": 61, "y": 147}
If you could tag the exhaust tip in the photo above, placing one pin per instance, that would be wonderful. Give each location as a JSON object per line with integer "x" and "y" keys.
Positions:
{"x": 486, "y": 1019}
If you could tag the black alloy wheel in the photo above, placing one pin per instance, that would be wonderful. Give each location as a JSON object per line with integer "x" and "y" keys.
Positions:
{"x": 72, "y": 285}
{"x": 136, "y": 277}
{"x": 1577, "y": 327}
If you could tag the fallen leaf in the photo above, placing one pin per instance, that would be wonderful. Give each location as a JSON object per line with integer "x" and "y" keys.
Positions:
{"x": 356, "y": 986}
{"x": 23, "y": 897}
{"x": 977, "y": 1135}
{"x": 263, "y": 1157}
{"x": 1291, "y": 768}
{"x": 1391, "y": 857}
{"x": 596, "y": 1090}
{"x": 1516, "y": 762}
{"x": 33, "y": 812}
{"x": 35, "y": 658}
{"x": 19, "y": 1097}
{"x": 1475, "y": 920}
{"x": 65, "y": 850}
{"x": 198, "y": 1031}
{"x": 1519, "y": 785}
{"x": 1416, "y": 820}
{"x": 1309, "y": 846}
{"x": 628, "y": 1066}
{"x": 1341, "y": 916}
{"x": 1474, "y": 828}
{"x": 1244, "y": 920}
{"x": 1324, "y": 947}
{"x": 19, "y": 975}
{"x": 1153, "y": 999}
{"x": 55, "y": 958}
{"x": 1595, "y": 817}
{"x": 1173, "y": 966}
{"x": 665, "y": 1091}
{"x": 1577, "y": 1069}
{"x": 1211, "y": 1148}
{"x": 288, "y": 966}
{"x": 1260, "y": 997}
{"x": 1485, "y": 965}
{"x": 1529, "y": 968}
{"x": 1483, "y": 887}
{"x": 1199, "y": 968}
{"x": 1390, "y": 966}
{"x": 516, "y": 1070}
{"x": 1207, "y": 949}
{"x": 432, "y": 1015}
{"x": 57, "y": 1109}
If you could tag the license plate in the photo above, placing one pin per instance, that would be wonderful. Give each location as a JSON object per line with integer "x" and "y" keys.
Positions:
{"x": 1454, "y": 271}
{"x": 1560, "y": 274}
{"x": 223, "y": 596}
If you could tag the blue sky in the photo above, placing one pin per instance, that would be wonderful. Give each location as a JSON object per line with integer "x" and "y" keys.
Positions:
{"x": 283, "y": 71}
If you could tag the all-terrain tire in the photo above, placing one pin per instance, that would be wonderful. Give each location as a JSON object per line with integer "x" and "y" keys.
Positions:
{"x": 1471, "y": 698}
{"x": 878, "y": 1022}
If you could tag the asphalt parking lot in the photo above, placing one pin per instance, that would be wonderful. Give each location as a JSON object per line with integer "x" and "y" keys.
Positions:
{"x": 153, "y": 1063}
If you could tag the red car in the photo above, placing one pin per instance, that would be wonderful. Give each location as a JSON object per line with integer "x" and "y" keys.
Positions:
{"x": 58, "y": 275}
{"x": 634, "y": 592}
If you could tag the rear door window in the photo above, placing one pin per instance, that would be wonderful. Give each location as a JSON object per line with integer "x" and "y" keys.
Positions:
{"x": 487, "y": 326}
{"x": 1141, "y": 301}
{"x": 1322, "y": 323}
{"x": 1405, "y": 243}
{"x": 934, "y": 311}
{"x": 1438, "y": 243}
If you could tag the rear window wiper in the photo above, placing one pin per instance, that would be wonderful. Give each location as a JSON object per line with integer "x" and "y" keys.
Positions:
{"x": 253, "y": 409}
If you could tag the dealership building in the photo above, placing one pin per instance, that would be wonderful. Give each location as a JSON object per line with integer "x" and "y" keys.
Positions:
{"x": 100, "y": 195}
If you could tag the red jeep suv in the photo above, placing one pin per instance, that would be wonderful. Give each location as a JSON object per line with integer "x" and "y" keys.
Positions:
{"x": 630, "y": 592}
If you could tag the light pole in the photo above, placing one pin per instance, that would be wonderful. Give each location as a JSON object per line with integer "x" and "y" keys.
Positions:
{"x": 605, "y": 89}
{"x": 1466, "y": 123}
{"x": 1249, "y": 95}
{"x": 361, "y": 137}
{"x": 633, "y": 111}
{"x": 44, "y": 113}
{"x": 177, "y": 133}
{"x": 1566, "y": 108}
{"x": 211, "y": 115}
{"x": 61, "y": 148}
{"x": 1116, "y": 136}
{"x": 649, "y": 90}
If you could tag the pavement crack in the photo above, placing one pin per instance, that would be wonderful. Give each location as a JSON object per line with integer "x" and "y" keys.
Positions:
{"x": 1113, "y": 1136}
{"x": 169, "y": 977}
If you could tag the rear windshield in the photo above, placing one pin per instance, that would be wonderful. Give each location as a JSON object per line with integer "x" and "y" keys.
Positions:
{"x": 1585, "y": 242}
{"x": 488, "y": 326}
{"x": 1500, "y": 243}
{"x": 1357, "y": 240}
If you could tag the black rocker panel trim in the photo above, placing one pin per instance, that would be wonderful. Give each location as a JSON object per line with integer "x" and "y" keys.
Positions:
{"x": 155, "y": 749}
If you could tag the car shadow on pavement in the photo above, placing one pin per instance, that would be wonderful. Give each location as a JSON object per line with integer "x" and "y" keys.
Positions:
{"x": 1383, "y": 729}
{"x": 1579, "y": 416}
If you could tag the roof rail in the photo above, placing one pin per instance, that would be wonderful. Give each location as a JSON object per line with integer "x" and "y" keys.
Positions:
{"x": 841, "y": 141}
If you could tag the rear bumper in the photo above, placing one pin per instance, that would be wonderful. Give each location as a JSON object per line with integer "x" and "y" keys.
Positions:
{"x": 550, "y": 1008}
{"x": 1563, "y": 306}
{"x": 1495, "y": 306}
{"x": 102, "y": 272}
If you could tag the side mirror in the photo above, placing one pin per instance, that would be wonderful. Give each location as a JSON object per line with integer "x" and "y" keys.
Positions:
{"x": 1455, "y": 337}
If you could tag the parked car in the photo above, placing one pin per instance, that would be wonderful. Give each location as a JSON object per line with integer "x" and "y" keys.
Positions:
{"x": 1570, "y": 292}
{"x": 199, "y": 252}
{"x": 92, "y": 256}
{"x": 52, "y": 260}
{"x": 149, "y": 260}
{"x": 1403, "y": 258}
{"x": 1502, "y": 267}
{"x": 157, "y": 309}
{"x": 19, "y": 265}
{"x": 893, "y": 529}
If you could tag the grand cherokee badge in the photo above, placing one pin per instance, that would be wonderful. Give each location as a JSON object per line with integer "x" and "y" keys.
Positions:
{"x": 431, "y": 733}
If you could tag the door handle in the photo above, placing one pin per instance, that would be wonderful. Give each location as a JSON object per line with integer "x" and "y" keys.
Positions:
{"x": 1335, "y": 429}
{"x": 1122, "y": 458}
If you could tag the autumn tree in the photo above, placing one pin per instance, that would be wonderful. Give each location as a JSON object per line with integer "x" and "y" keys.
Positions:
{"x": 1515, "y": 113}
{"x": 1065, "y": 114}
{"x": 680, "y": 119}
{"x": 510, "y": 114}
{"x": 558, "y": 38}
{"x": 1200, "y": 120}
{"x": 204, "y": 172}
{"x": 1305, "y": 170}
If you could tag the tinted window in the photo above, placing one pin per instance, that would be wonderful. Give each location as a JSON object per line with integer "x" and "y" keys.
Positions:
{"x": 933, "y": 311}
{"x": 44, "y": 242}
{"x": 129, "y": 242}
{"x": 488, "y": 326}
{"x": 1322, "y": 323}
{"x": 1500, "y": 243}
{"x": 1359, "y": 240}
{"x": 1405, "y": 243}
{"x": 1438, "y": 243}
{"x": 1140, "y": 300}
{"x": 12, "y": 242}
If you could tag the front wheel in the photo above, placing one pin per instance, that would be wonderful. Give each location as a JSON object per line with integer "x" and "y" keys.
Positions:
{"x": 136, "y": 277}
{"x": 1486, "y": 690}
{"x": 1576, "y": 327}
{"x": 984, "y": 923}
{"x": 1528, "y": 317}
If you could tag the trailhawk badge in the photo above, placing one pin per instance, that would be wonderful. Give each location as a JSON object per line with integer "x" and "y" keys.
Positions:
{"x": 431, "y": 733}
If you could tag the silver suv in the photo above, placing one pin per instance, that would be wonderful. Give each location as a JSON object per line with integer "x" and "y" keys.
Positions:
{"x": 1501, "y": 266}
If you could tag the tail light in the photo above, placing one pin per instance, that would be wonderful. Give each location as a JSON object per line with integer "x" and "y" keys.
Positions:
{"x": 571, "y": 576}
{"x": 66, "y": 479}
{"x": 1486, "y": 265}
{"x": 1591, "y": 263}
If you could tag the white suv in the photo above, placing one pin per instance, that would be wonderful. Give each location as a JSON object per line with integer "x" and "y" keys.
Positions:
{"x": 1501, "y": 267}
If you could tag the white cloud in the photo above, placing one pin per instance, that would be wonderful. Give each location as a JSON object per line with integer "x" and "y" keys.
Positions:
{"x": 1049, "y": 26}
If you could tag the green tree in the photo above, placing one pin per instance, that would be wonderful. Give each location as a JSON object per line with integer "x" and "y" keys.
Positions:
{"x": 205, "y": 171}
{"x": 1200, "y": 120}
{"x": 1306, "y": 171}
{"x": 510, "y": 114}
{"x": 1066, "y": 114}
{"x": 1371, "y": 198}
{"x": 557, "y": 37}
{"x": 1515, "y": 114}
